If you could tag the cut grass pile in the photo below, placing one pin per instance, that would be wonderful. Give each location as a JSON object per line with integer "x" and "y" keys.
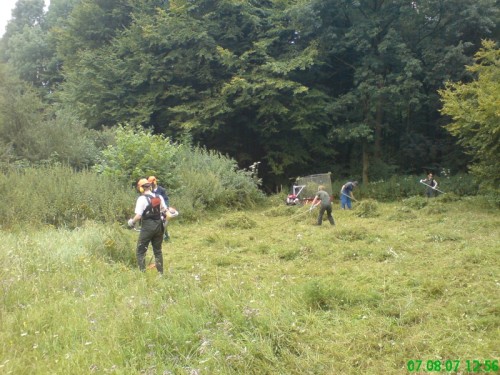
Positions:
{"x": 258, "y": 292}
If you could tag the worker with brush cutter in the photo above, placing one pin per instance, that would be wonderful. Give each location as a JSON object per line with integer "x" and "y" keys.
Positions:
{"x": 346, "y": 194}
{"x": 149, "y": 209}
{"x": 160, "y": 190}
{"x": 431, "y": 184}
{"x": 323, "y": 199}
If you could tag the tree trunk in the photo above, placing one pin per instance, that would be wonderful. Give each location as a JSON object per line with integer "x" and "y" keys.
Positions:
{"x": 377, "y": 152}
{"x": 366, "y": 163}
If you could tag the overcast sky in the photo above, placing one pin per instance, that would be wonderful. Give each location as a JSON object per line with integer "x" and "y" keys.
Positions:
{"x": 6, "y": 7}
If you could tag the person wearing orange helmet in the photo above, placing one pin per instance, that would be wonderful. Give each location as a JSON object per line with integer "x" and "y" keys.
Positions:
{"x": 149, "y": 208}
{"x": 160, "y": 190}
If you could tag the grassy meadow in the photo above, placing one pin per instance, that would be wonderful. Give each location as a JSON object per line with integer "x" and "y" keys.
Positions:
{"x": 260, "y": 291}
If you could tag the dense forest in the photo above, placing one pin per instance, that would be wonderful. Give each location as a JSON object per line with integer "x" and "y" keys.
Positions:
{"x": 301, "y": 86}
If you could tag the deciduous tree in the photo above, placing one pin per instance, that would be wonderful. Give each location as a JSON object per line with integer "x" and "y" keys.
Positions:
{"x": 474, "y": 108}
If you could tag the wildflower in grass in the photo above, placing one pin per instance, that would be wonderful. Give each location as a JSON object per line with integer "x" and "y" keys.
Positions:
{"x": 249, "y": 312}
{"x": 204, "y": 346}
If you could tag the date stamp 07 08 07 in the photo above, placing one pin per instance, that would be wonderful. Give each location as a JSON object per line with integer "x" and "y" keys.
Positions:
{"x": 469, "y": 365}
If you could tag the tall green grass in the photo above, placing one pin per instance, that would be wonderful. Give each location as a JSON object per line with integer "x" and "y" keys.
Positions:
{"x": 260, "y": 291}
{"x": 60, "y": 197}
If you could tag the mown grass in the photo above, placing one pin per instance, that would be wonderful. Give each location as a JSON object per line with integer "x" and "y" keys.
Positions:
{"x": 258, "y": 292}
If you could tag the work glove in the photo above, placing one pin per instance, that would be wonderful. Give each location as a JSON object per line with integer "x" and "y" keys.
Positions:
{"x": 130, "y": 223}
{"x": 310, "y": 209}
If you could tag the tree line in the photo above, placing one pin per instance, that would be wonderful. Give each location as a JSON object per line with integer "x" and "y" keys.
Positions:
{"x": 303, "y": 86}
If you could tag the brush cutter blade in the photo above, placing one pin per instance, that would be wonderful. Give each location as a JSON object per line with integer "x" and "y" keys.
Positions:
{"x": 172, "y": 213}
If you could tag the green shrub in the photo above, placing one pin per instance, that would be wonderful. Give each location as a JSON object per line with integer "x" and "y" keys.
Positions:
{"x": 196, "y": 179}
{"x": 395, "y": 188}
{"x": 31, "y": 135}
{"x": 137, "y": 153}
{"x": 211, "y": 181}
{"x": 493, "y": 198}
{"x": 461, "y": 185}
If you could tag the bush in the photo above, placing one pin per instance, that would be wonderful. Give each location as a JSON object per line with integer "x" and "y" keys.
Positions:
{"x": 196, "y": 179}
{"x": 137, "y": 153}
{"x": 493, "y": 198}
{"x": 31, "y": 135}
{"x": 395, "y": 188}
{"x": 462, "y": 185}
{"x": 209, "y": 180}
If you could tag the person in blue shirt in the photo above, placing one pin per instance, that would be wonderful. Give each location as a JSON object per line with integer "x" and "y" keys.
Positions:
{"x": 346, "y": 195}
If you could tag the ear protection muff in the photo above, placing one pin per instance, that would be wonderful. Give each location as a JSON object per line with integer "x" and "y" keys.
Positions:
{"x": 140, "y": 184}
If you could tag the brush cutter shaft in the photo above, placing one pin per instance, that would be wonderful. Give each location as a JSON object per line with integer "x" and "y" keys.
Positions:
{"x": 348, "y": 196}
{"x": 432, "y": 187}
{"x": 295, "y": 216}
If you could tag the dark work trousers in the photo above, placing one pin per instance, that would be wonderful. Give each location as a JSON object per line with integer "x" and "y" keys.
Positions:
{"x": 151, "y": 231}
{"x": 430, "y": 192}
{"x": 328, "y": 210}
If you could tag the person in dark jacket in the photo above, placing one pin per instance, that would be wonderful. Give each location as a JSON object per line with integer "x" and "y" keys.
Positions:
{"x": 149, "y": 209}
{"x": 160, "y": 190}
{"x": 431, "y": 183}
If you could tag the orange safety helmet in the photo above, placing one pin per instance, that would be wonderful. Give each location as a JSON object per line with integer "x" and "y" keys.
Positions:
{"x": 153, "y": 180}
